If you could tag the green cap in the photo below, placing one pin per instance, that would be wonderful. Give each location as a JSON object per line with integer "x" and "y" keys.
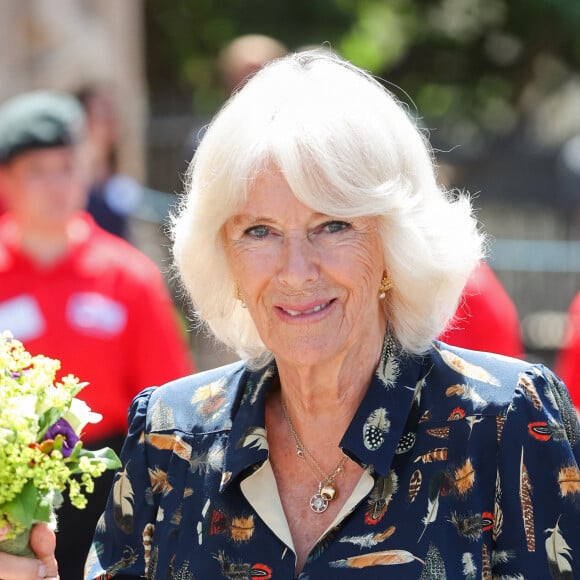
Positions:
{"x": 38, "y": 120}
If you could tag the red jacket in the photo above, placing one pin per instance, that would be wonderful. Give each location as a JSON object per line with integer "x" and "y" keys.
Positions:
{"x": 486, "y": 318}
{"x": 104, "y": 311}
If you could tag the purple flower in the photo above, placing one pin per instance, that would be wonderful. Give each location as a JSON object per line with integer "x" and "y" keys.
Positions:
{"x": 62, "y": 427}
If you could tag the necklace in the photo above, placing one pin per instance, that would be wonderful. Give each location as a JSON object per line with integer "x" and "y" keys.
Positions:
{"x": 326, "y": 487}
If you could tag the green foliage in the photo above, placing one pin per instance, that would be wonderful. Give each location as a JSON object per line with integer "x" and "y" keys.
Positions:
{"x": 381, "y": 34}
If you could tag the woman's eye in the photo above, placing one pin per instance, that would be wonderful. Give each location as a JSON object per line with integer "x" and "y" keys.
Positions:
{"x": 335, "y": 226}
{"x": 257, "y": 231}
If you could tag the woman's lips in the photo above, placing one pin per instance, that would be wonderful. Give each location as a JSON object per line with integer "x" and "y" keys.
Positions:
{"x": 304, "y": 311}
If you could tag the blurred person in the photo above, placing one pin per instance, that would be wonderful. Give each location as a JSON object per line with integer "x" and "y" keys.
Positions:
{"x": 486, "y": 317}
{"x": 568, "y": 360}
{"x": 348, "y": 443}
{"x": 71, "y": 291}
{"x": 238, "y": 60}
{"x": 245, "y": 56}
{"x": 113, "y": 196}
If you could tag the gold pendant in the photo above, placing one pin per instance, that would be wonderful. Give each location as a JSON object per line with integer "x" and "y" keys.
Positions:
{"x": 328, "y": 492}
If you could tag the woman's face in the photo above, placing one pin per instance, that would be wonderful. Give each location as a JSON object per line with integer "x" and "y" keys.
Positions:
{"x": 310, "y": 281}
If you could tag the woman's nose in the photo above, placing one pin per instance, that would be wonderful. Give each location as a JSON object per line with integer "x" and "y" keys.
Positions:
{"x": 298, "y": 262}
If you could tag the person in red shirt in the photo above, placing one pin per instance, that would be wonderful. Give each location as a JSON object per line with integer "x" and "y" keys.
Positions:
{"x": 568, "y": 360}
{"x": 486, "y": 318}
{"x": 71, "y": 291}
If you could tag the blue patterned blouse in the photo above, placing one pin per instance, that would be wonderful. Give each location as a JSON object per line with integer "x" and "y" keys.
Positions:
{"x": 471, "y": 471}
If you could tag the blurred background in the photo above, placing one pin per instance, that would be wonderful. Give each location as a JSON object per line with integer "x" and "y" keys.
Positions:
{"x": 496, "y": 83}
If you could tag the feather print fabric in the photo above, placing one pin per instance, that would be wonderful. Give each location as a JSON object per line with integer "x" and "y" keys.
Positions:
{"x": 471, "y": 466}
{"x": 559, "y": 556}
{"x": 527, "y": 506}
{"x": 122, "y": 496}
{"x": 569, "y": 481}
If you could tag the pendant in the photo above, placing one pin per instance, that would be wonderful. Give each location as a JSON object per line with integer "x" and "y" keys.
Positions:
{"x": 328, "y": 492}
{"x": 318, "y": 503}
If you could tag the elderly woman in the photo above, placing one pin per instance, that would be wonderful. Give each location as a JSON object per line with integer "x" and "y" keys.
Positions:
{"x": 347, "y": 443}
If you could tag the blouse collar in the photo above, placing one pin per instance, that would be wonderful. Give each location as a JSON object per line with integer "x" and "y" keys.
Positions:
{"x": 374, "y": 435}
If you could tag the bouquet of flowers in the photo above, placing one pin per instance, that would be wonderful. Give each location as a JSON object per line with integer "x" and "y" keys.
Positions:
{"x": 41, "y": 452}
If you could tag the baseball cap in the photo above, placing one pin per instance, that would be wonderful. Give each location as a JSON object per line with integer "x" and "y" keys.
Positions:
{"x": 37, "y": 120}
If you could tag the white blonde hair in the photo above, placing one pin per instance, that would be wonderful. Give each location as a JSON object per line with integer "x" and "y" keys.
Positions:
{"x": 347, "y": 148}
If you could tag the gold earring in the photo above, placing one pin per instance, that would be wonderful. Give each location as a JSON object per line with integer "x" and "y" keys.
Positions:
{"x": 384, "y": 287}
{"x": 238, "y": 296}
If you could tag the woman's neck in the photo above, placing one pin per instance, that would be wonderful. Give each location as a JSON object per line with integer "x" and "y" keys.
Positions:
{"x": 334, "y": 389}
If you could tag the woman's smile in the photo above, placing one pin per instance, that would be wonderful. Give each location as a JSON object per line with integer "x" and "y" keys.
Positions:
{"x": 304, "y": 312}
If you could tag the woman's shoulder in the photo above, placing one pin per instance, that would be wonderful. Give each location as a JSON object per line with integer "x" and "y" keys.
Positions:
{"x": 482, "y": 382}
{"x": 199, "y": 402}
{"x": 477, "y": 365}
{"x": 190, "y": 383}
{"x": 463, "y": 384}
